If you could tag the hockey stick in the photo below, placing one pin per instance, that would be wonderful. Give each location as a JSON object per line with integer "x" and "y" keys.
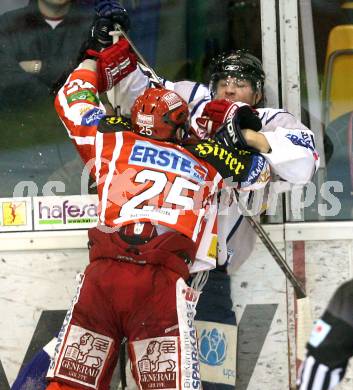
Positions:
{"x": 259, "y": 230}
{"x": 304, "y": 318}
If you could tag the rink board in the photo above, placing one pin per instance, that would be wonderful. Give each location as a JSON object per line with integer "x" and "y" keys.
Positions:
{"x": 38, "y": 281}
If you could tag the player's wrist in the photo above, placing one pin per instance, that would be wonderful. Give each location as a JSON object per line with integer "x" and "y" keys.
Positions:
{"x": 89, "y": 64}
{"x": 256, "y": 140}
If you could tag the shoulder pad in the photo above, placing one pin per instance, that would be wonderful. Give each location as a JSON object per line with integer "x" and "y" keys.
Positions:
{"x": 113, "y": 124}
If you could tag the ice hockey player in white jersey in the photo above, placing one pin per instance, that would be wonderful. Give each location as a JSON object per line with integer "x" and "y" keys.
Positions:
{"x": 289, "y": 148}
{"x": 331, "y": 343}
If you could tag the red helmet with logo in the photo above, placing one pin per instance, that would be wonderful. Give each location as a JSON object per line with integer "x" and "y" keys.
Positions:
{"x": 158, "y": 113}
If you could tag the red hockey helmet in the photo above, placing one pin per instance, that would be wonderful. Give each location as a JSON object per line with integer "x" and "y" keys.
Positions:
{"x": 158, "y": 114}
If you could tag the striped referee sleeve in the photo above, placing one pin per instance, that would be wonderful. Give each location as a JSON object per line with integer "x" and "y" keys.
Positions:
{"x": 318, "y": 376}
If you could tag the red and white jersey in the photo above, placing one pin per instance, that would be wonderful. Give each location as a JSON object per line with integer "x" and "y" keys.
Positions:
{"x": 139, "y": 179}
{"x": 142, "y": 180}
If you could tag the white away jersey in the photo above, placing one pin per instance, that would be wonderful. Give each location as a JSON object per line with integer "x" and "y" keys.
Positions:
{"x": 293, "y": 157}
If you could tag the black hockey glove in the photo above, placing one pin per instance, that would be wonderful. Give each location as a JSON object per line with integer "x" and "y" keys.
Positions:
{"x": 230, "y": 133}
{"x": 109, "y": 15}
{"x": 100, "y": 38}
{"x": 111, "y": 9}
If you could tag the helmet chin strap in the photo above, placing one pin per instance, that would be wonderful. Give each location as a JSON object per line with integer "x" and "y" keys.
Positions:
{"x": 257, "y": 98}
{"x": 174, "y": 137}
{"x": 181, "y": 133}
{"x": 190, "y": 137}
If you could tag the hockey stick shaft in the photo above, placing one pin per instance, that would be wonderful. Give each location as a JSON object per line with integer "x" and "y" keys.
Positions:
{"x": 154, "y": 78}
{"x": 116, "y": 34}
{"x": 303, "y": 310}
{"x": 297, "y": 285}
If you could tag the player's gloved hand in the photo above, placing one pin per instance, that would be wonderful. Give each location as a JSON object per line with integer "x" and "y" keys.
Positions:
{"x": 100, "y": 37}
{"x": 218, "y": 111}
{"x": 110, "y": 15}
{"x": 231, "y": 132}
{"x": 111, "y": 9}
{"x": 113, "y": 64}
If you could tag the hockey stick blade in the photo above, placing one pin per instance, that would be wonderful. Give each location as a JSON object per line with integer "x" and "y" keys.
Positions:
{"x": 304, "y": 325}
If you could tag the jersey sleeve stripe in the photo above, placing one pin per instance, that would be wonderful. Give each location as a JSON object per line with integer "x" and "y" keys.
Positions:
{"x": 268, "y": 120}
{"x": 193, "y": 92}
{"x": 216, "y": 182}
{"x": 198, "y": 223}
{"x": 99, "y": 150}
{"x": 315, "y": 376}
{"x": 197, "y": 106}
{"x": 320, "y": 376}
{"x": 83, "y": 140}
{"x": 306, "y": 373}
{"x": 109, "y": 178}
{"x": 335, "y": 377}
{"x": 234, "y": 228}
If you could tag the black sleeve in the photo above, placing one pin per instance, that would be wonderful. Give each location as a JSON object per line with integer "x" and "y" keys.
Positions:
{"x": 17, "y": 87}
{"x": 328, "y": 351}
{"x": 238, "y": 164}
{"x": 337, "y": 347}
{"x": 24, "y": 36}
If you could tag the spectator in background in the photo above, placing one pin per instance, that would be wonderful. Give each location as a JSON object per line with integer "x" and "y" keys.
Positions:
{"x": 37, "y": 43}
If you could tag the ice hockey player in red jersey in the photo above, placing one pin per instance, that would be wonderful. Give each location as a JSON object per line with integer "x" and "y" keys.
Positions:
{"x": 156, "y": 199}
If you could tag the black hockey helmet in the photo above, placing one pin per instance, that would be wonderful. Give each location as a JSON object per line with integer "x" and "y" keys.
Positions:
{"x": 240, "y": 64}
